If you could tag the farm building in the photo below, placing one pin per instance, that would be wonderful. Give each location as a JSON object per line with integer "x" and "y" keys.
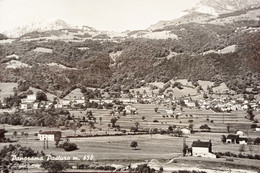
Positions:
{"x": 257, "y": 129}
{"x": 202, "y": 149}
{"x": 242, "y": 140}
{"x": 185, "y": 131}
{"x": 30, "y": 98}
{"x": 23, "y": 106}
{"x": 128, "y": 100}
{"x": 240, "y": 133}
{"x": 169, "y": 111}
{"x": 49, "y": 135}
{"x": 66, "y": 103}
{"x": 231, "y": 138}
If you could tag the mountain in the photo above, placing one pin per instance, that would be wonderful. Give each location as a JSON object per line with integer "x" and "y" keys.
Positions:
{"x": 225, "y": 6}
{"x": 207, "y": 10}
{"x": 39, "y": 26}
{"x": 198, "y": 46}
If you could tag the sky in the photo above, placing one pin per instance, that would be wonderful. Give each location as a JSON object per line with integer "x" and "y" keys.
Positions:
{"x": 110, "y": 15}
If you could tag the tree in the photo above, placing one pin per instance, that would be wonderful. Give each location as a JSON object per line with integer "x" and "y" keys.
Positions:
{"x": 191, "y": 127}
{"x": 134, "y": 144}
{"x": 241, "y": 148}
{"x": 228, "y": 128}
{"x": 184, "y": 149}
{"x": 15, "y": 133}
{"x": 170, "y": 129}
{"x": 55, "y": 165}
{"x": 113, "y": 121}
{"x": 70, "y": 146}
{"x": 223, "y": 139}
{"x": 156, "y": 109}
{"x": 137, "y": 125}
{"x": 205, "y": 127}
{"x": 91, "y": 126}
{"x": 250, "y": 112}
{"x": 41, "y": 96}
{"x": 205, "y": 96}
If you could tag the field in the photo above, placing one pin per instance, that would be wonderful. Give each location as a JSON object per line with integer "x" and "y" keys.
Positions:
{"x": 6, "y": 89}
{"x": 163, "y": 148}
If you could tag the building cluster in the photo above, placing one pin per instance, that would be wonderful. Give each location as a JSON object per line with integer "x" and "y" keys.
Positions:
{"x": 31, "y": 102}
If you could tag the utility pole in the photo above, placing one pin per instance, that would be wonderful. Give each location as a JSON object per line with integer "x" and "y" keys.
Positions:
{"x": 184, "y": 146}
{"x": 44, "y": 143}
{"x": 47, "y": 143}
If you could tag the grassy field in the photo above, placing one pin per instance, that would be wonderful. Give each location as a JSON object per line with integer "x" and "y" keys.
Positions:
{"x": 116, "y": 149}
{"x": 6, "y": 89}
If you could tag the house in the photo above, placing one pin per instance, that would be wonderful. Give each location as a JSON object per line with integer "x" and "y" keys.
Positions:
{"x": 23, "y": 106}
{"x": 31, "y": 98}
{"x": 49, "y": 135}
{"x": 36, "y": 105}
{"x": 191, "y": 104}
{"x": 242, "y": 140}
{"x": 202, "y": 149}
{"x": 169, "y": 111}
{"x": 240, "y": 133}
{"x": 257, "y": 129}
{"x": 185, "y": 131}
{"x": 231, "y": 138}
{"x": 66, "y": 103}
{"x": 80, "y": 101}
{"x": 128, "y": 100}
{"x": 129, "y": 109}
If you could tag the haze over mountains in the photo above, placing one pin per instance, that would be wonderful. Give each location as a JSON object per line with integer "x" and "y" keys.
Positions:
{"x": 203, "y": 12}
{"x": 218, "y": 41}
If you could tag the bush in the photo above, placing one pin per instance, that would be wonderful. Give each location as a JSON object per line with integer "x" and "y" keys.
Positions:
{"x": 257, "y": 157}
{"x": 70, "y": 146}
{"x": 155, "y": 121}
{"x": 250, "y": 156}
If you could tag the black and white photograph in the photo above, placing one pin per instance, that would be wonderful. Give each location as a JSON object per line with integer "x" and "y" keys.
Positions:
{"x": 130, "y": 86}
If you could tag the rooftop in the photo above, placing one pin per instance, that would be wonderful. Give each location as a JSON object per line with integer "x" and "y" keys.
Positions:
{"x": 51, "y": 132}
{"x": 201, "y": 144}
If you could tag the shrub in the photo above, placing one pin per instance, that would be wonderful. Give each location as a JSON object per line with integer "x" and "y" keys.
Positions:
{"x": 257, "y": 157}
{"x": 155, "y": 121}
{"x": 70, "y": 146}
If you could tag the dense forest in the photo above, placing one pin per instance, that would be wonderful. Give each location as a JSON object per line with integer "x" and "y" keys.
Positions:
{"x": 141, "y": 60}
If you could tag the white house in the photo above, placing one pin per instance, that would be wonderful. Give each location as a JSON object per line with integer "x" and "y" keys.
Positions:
{"x": 36, "y": 105}
{"x": 66, "y": 103}
{"x": 240, "y": 133}
{"x": 129, "y": 109}
{"x": 191, "y": 104}
{"x": 49, "y": 135}
{"x": 242, "y": 140}
{"x": 257, "y": 129}
{"x": 31, "y": 98}
{"x": 202, "y": 149}
{"x": 128, "y": 100}
{"x": 169, "y": 111}
{"x": 185, "y": 131}
{"x": 23, "y": 106}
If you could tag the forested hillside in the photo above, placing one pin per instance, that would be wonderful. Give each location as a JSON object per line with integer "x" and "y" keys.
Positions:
{"x": 219, "y": 53}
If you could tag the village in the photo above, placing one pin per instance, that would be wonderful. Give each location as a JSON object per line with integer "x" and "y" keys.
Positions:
{"x": 214, "y": 126}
